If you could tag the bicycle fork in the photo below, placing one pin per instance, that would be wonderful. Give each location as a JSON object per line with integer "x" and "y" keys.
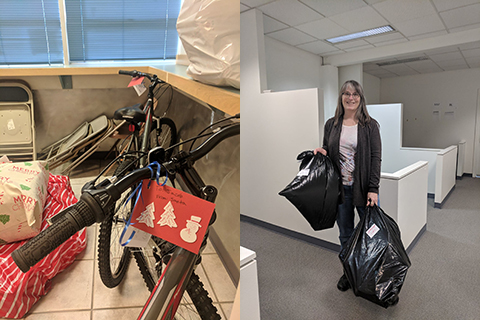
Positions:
{"x": 166, "y": 296}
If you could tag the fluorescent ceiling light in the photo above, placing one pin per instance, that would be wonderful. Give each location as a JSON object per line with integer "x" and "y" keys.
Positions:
{"x": 362, "y": 34}
{"x": 389, "y": 63}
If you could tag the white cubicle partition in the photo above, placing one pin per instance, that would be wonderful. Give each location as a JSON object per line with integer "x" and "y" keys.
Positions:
{"x": 461, "y": 158}
{"x": 249, "y": 297}
{"x": 403, "y": 196}
{"x": 445, "y": 174}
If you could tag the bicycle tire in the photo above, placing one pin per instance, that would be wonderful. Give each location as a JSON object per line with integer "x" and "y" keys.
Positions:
{"x": 113, "y": 259}
{"x": 166, "y": 137}
{"x": 199, "y": 296}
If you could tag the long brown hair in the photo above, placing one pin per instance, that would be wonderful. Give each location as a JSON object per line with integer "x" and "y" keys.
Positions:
{"x": 361, "y": 114}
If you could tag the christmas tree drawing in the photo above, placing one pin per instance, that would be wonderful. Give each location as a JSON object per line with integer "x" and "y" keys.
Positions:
{"x": 168, "y": 217}
{"x": 148, "y": 215}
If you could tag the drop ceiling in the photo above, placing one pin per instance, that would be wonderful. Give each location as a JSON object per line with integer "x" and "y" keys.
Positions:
{"x": 306, "y": 24}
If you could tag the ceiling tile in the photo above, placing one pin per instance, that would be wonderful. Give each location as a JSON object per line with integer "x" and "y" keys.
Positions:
{"x": 351, "y": 44}
{"x": 441, "y": 50}
{"x": 318, "y": 47}
{"x": 271, "y": 25}
{"x": 473, "y": 62}
{"x": 427, "y": 24}
{"x": 322, "y": 29}
{"x": 255, "y": 3}
{"x": 385, "y": 37}
{"x": 447, "y": 68}
{"x": 367, "y": 46}
{"x": 404, "y": 10}
{"x": 471, "y": 45}
{"x": 370, "y": 66}
{"x": 463, "y": 28}
{"x": 424, "y": 66}
{"x": 373, "y": 1}
{"x": 461, "y": 16}
{"x": 428, "y": 35}
{"x": 330, "y": 8}
{"x": 290, "y": 12}
{"x": 359, "y": 19}
{"x": 446, "y": 56}
{"x": 400, "y": 69}
{"x": 291, "y": 36}
{"x": 332, "y": 53}
{"x": 443, "y": 5}
{"x": 471, "y": 53}
{"x": 382, "y": 73}
{"x": 452, "y": 63}
{"x": 387, "y": 43}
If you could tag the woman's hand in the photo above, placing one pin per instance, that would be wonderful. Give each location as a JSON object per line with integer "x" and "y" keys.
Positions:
{"x": 321, "y": 150}
{"x": 372, "y": 199}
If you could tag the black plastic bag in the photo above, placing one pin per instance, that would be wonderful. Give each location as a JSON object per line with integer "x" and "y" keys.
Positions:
{"x": 315, "y": 190}
{"x": 374, "y": 259}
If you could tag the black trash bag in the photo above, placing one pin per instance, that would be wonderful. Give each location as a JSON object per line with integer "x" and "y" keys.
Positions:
{"x": 315, "y": 190}
{"x": 374, "y": 259}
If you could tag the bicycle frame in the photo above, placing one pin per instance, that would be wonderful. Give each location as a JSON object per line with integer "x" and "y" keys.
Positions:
{"x": 163, "y": 304}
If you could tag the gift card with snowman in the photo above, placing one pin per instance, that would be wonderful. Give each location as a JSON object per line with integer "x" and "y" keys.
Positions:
{"x": 173, "y": 215}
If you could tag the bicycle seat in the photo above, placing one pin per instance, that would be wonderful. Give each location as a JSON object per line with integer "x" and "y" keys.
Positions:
{"x": 131, "y": 114}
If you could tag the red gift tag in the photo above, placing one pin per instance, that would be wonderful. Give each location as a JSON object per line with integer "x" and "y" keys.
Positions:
{"x": 173, "y": 215}
{"x": 136, "y": 81}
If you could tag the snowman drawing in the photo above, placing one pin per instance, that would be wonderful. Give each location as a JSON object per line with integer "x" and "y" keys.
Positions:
{"x": 189, "y": 233}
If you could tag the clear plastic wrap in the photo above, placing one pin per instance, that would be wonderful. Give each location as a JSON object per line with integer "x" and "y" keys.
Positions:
{"x": 210, "y": 34}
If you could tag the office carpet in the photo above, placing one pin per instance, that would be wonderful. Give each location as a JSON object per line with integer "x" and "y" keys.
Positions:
{"x": 297, "y": 280}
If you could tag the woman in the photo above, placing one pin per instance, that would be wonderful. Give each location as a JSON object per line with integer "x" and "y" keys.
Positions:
{"x": 352, "y": 141}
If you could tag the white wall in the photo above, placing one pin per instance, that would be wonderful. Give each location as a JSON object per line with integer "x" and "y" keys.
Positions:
{"x": 371, "y": 88}
{"x": 276, "y": 127}
{"x": 289, "y": 68}
{"x": 419, "y": 93}
{"x": 352, "y": 72}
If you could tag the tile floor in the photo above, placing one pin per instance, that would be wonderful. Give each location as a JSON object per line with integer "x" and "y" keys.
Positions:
{"x": 78, "y": 294}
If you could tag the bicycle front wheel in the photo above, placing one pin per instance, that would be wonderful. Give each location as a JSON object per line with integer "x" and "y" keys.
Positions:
{"x": 113, "y": 258}
{"x": 196, "y": 302}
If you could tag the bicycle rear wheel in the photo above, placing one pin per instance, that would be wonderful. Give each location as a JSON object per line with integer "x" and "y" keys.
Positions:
{"x": 165, "y": 136}
{"x": 113, "y": 259}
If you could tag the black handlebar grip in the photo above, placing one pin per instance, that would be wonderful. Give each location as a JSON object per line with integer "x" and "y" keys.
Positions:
{"x": 70, "y": 221}
{"x": 133, "y": 73}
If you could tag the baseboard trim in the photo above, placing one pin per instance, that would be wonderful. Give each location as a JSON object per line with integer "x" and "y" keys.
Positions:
{"x": 440, "y": 205}
{"x": 293, "y": 234}
{"x": 319, "y": 242}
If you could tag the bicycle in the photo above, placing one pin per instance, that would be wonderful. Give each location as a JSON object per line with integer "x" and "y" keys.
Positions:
{"x": 114, "y": 259}
{"x": 96, "y": 204}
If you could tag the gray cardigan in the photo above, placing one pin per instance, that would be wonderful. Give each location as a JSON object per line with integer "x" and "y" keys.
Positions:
{"x": 368, "y": 157}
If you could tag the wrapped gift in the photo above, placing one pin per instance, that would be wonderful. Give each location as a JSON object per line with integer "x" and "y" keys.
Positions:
{"x": 23, "y": 190}
{"x": 20, "y": 291}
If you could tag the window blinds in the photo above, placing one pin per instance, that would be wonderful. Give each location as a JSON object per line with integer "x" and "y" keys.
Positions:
{"x": 122, "y": 29}
{"x": 30, "y": 32}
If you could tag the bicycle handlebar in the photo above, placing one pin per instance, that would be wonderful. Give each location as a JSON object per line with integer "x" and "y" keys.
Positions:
{"x": 214, "y": 140}
{"x": 93, "y": 206}
{"x": 69, "y": 222}
{"x": 90, "y": 208}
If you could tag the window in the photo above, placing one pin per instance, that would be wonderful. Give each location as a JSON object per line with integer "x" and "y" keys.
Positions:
{"x": 122, "y": 29}
{"x": 97, "y": 30}
{"x": 30, "y": 32}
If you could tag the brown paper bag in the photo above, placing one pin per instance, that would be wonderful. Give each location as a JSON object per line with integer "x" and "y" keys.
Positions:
{"x": 23, "y": 190}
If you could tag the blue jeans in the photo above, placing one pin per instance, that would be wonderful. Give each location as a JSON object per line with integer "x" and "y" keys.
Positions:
{"x": 346, "y": 215}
